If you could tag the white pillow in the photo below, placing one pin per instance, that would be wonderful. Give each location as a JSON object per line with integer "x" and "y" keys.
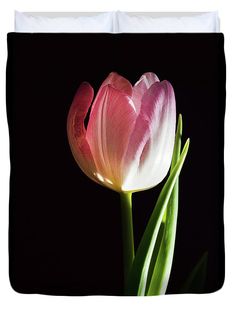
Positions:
{"x": 183, "y": 22}
{"x": 26, "y": 22}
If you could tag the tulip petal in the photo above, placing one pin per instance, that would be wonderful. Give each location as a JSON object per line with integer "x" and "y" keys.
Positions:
{"x": 76, "y": 130}
{"x": 118, "y": 82}
{"x": 152, "y": 141}
{"x": 141, "y": 86}
{"x": 110, "y": 126}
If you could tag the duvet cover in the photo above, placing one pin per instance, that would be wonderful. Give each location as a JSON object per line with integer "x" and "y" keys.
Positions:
{"x": 116, "y": 150}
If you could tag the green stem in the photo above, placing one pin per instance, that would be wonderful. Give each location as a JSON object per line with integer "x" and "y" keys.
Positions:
{"x": 127, "y": 233}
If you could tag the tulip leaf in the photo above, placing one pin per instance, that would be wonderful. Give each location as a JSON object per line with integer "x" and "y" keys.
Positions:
{"x": 137, "y": 279}
{"x": 155, "y": 252}
{"x": 162, "y": 257}
{"x": 195, "y": 282}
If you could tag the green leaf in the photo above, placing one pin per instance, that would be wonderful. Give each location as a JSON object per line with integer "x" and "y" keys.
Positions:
{"x": 155, "y": 252}
{"x": 162, "y": 257}
{"x": 139, "y": 272}
{"x": 195, "y": 283}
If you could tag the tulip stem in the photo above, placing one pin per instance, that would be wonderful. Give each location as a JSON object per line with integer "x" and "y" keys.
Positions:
{"x": 127, "y": 233}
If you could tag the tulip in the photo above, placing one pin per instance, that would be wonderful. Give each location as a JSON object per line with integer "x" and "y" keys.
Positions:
{"x": 129, "y": 140}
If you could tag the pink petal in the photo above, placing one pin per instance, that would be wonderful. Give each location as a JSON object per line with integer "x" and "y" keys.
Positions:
{"x": 141, "y": 86}
{"x": 118, "y": 82}
{"x": 151, "y": 144}
{"x": 110, "y": 125}
{"x": 76, "y": 131}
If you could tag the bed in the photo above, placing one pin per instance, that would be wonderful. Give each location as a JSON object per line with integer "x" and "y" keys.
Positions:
{"x": 65, "y": 231}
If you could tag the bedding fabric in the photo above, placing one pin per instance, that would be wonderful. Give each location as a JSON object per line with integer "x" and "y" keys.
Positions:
{"x": 173, "y": 23}
{"x": 65, "y": 234}
{"x": 100, "y": 22}
{"x": 117, "y": 22}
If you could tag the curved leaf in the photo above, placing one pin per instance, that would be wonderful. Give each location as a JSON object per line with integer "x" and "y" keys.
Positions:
{"x": 160, "y": 272}
{"x": 138, "y": 275}
{"x": 195, "y": 283}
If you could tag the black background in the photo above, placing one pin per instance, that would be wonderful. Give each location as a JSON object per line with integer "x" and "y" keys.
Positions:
{"x": 65, "y": 230}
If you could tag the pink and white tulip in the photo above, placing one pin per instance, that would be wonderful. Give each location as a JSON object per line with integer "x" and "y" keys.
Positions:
{"x": 129, "y": 140}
